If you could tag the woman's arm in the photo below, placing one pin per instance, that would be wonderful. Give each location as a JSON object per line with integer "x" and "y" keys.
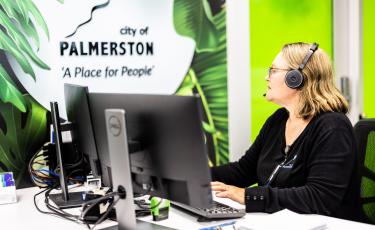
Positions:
{"x": 243, "y": 172}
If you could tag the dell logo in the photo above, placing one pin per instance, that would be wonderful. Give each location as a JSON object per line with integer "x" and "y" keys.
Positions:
{"x": 114, "y": 125}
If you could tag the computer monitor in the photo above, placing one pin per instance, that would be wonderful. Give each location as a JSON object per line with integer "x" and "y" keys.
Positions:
{"x": 78, "y": 112}
{"x": 166, "y": 145}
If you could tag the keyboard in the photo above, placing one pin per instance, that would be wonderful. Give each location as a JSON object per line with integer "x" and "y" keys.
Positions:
{"x": 216, "y": 211}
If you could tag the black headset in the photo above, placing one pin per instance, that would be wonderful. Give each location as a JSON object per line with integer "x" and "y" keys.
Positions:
{"x": 294, "y": 78}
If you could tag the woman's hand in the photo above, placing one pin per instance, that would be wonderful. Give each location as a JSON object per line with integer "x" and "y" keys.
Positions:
{"x": 228, "y": 191}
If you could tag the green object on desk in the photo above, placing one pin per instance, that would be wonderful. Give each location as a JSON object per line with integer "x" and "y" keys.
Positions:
{"x": 159, "y": 208}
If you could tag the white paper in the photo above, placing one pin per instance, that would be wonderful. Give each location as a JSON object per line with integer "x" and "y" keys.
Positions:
{"x": 284, "y": 219}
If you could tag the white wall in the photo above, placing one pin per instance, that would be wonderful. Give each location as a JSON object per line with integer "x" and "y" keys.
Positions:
{"x": 348, "y": 53}
{"x": 238, "y": 51}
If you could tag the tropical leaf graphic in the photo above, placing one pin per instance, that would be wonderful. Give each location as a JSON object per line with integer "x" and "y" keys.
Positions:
{"x": 208, "y": 78}
{"x": 194, "y": 19}
{"x": 9, "y": 93}
{"x": 16, "y": 26}
{"x": 22, "y": 120}
{"x": 19, "y": 134}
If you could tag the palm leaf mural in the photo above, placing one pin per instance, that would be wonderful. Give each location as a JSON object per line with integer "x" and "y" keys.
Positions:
{"x": 9, "y": 93}
{"x": 208, "y": 78}
{"x": 22, "y": 120}
{"x": 20, "y": 133}
{"x": 16, "y": 26}
{"x": 194, "y": 19}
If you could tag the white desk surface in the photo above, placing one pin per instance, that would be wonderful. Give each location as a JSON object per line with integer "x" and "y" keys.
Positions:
{"x": 23, "y": 215}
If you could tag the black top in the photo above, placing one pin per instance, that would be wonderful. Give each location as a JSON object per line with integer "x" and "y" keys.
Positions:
{"x": 317, "y": 175}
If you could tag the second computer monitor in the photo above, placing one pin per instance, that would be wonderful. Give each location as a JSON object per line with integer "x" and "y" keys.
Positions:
{"x": 168, "y": 155}
{"x": 78, "y": 111}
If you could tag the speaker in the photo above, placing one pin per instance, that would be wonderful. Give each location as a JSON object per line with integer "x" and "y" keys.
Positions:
{"x": 294, "y": 78}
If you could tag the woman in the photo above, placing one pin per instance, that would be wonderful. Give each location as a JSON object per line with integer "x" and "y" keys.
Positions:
{"x": 304, "y": 158}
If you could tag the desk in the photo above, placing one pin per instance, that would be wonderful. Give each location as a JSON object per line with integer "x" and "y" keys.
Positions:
{"x": 180, "y": 220}
{"x": 23, "y": 215}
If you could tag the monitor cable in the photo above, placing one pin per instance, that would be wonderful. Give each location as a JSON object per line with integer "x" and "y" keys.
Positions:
{"x": 112, "y": 197}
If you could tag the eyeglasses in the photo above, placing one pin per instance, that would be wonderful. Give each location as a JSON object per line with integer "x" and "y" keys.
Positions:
{"x": 271, "y": 70}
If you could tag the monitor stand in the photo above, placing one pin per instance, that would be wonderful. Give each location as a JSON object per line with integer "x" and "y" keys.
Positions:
{"x": 75, "y": 199}
{"x": 119, "y": 158}
{"x": 63, "y": 199}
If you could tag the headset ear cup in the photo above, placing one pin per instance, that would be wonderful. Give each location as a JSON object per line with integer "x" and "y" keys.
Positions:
{"x": 294, "y": 79}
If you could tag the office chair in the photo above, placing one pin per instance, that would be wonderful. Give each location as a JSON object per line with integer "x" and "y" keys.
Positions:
{"x": 365, "y": 134}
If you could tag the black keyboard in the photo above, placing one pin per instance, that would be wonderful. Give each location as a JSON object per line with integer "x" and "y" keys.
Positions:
{"x": 216, "y": 211}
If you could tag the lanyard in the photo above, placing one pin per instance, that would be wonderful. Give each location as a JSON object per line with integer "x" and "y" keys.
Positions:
{"x": 279, "y": 166}
{"x": 275, "y": 172}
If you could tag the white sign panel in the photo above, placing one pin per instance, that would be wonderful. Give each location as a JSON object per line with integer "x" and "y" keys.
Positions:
{"x": 119, "y": 46}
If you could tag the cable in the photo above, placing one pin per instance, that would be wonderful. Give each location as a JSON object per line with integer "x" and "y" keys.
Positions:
{"x": 141, "y": 213}
{"x": 54, "y": 212}
{"x": 57, "y": 209}
{"x": 44, "y": 177}
{"x": 86, "y": 207}
{"x": 48, "y": 179}
{"x": 145, "y": 208}
{"x": 49, "y": 171}
{"x": 142, "y": 204}
{"x": 36, "y": 206}
{"x": 106, "y": 213}
{"x": 79, "y": 161}
{"x": 38, "y": 176}
{"x": 90, "y": 204}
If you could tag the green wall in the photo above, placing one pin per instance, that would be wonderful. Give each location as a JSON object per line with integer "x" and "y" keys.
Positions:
{"x": 272, "y": 24}
{"x": 368, "y": 57}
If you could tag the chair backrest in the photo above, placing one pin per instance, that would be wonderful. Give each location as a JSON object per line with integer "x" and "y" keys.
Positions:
{"x": 365, "y": 135}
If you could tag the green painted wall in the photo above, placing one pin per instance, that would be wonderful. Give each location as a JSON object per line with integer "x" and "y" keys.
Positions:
{"x": 272, "y": 24}
{"x": 368, "y": 57}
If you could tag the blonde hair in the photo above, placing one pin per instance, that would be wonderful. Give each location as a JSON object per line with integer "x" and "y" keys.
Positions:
{"x": 319, "y": 93}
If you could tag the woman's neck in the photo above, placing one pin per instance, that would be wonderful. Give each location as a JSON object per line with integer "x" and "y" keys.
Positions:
{"x": 294, "y": 118}
{"x": 294, "y": 126}
{"x": 292, "y": 106}
{"x": 293, "y": 113}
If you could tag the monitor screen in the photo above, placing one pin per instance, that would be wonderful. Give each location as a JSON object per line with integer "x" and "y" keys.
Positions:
{"x": 168, "y": 154}
{"x": 77, "y": 109}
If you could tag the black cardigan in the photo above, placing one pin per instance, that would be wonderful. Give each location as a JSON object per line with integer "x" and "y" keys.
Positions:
{"x": 320, "y": 174}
